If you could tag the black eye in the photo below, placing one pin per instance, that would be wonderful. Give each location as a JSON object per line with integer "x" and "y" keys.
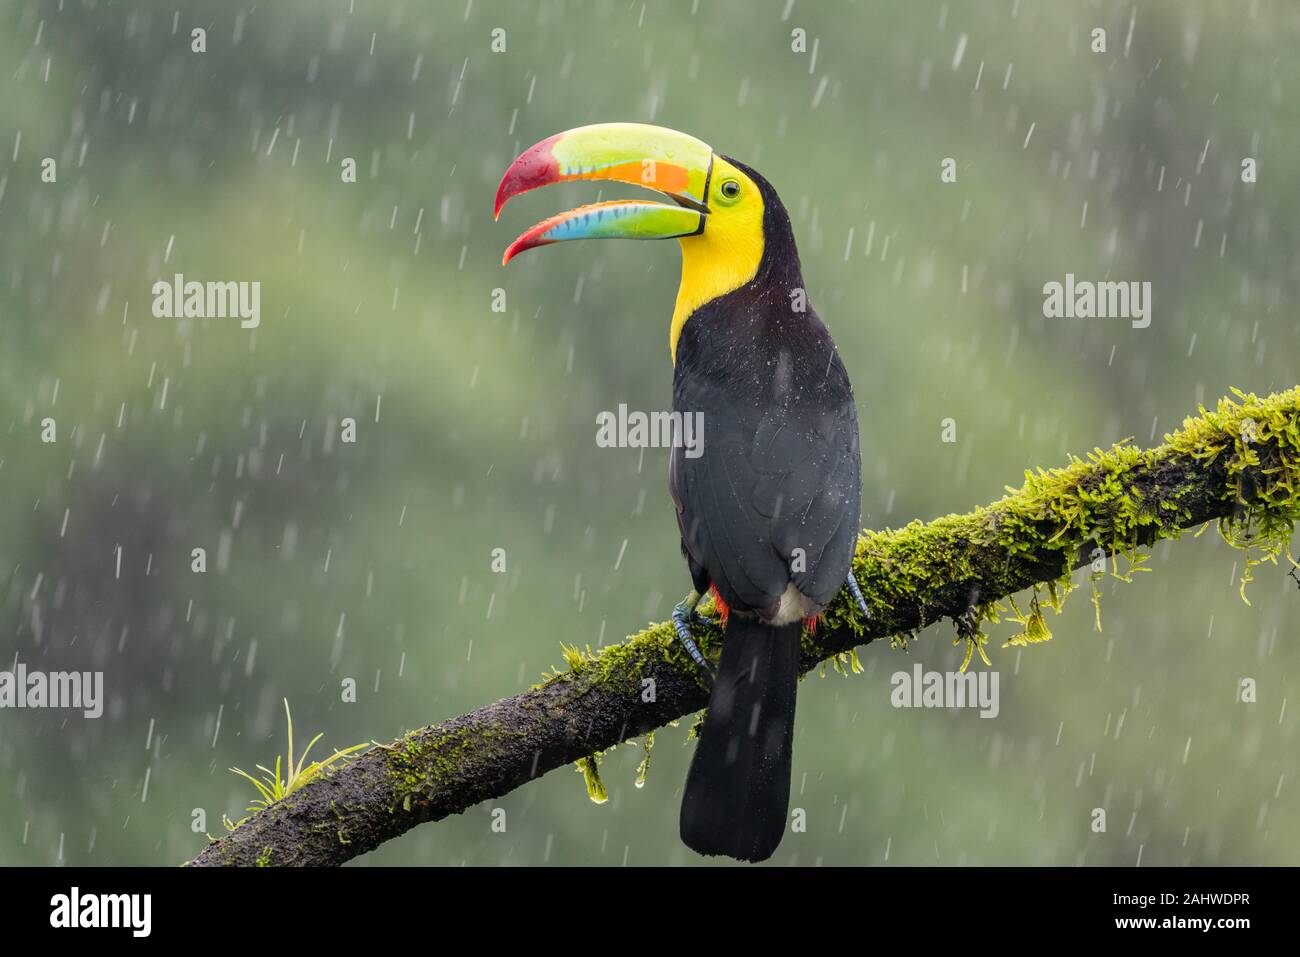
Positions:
{"x": 730, "y": 189}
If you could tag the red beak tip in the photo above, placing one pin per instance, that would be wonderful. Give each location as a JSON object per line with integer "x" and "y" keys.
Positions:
{"x": 533, "y": 167}
{"x": 513, "y": 250}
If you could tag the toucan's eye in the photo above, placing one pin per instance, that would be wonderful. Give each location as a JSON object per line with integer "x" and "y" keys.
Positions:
{"x": 730, "y": 189}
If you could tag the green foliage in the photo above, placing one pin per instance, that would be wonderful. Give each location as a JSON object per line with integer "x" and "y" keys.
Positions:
{"x": 277, "y": 784}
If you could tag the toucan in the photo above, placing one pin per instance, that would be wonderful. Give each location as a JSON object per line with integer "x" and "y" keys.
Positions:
{"x": 768, "y": 505}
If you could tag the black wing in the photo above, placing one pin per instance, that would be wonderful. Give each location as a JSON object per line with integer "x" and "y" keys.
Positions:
{"x": 775, "y": 494}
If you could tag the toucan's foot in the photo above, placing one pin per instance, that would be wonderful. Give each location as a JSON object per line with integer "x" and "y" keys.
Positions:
{"x": 684, "y": 615}
{"x": 968, "y": 621}
{"x": 856, "y": 592}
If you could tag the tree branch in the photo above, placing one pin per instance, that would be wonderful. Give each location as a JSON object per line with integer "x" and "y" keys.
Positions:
{"x": 1239, "y": 464}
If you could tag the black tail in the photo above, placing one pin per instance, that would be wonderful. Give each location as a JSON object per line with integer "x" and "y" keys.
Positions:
{"x": 738, "y": 789}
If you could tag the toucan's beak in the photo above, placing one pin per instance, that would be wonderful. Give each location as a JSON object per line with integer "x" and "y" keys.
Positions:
{"x": 673, "y": 163}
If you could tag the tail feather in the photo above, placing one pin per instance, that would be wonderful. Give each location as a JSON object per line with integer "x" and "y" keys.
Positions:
{"x": 738, "y": 789}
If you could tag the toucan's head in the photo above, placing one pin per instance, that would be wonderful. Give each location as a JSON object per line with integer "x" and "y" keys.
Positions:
{"x": 727, "y": 218}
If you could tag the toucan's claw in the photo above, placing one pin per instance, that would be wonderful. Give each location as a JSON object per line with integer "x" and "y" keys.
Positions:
{"x": 967, "y": 622}
{"x": 856, "y": 592}
{"x": 683, "y": 615}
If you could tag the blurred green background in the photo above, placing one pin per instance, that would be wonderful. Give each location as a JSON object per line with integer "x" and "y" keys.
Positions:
{"x": 476, "y": 429}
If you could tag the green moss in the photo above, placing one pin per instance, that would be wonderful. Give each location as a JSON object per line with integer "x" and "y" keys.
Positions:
{"x": 589, "y": 768}
{"x": 623, "y": 665}
{"x": 264, "y": 859}
{"x": 1035, "y": 628}
{"x": 423, "y": 761}
{"x": 1118, "y": 501}
{"x": 643, "y": 769}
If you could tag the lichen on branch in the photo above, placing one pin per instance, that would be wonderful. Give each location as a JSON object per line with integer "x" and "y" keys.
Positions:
{"x": 1237, "y": 465}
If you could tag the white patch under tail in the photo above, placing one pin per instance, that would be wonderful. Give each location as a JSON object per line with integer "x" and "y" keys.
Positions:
{"x": 793, "y": 607}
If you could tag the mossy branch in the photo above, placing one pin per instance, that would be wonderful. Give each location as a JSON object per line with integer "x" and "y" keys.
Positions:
{"x": 1238, "y": 465}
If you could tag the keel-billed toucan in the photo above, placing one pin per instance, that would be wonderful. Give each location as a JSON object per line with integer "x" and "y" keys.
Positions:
{"x": 768, "y": 510}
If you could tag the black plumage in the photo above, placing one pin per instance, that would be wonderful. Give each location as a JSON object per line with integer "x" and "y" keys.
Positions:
{"x": 773, "y": 500}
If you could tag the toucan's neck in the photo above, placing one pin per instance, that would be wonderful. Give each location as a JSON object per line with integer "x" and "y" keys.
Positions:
{"x": 756, "y": 249}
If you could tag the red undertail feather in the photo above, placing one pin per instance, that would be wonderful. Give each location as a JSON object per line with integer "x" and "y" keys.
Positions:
{"x": 723, "y": 609}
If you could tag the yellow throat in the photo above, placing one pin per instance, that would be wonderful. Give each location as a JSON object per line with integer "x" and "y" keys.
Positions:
{"x": 726, "y": 255}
